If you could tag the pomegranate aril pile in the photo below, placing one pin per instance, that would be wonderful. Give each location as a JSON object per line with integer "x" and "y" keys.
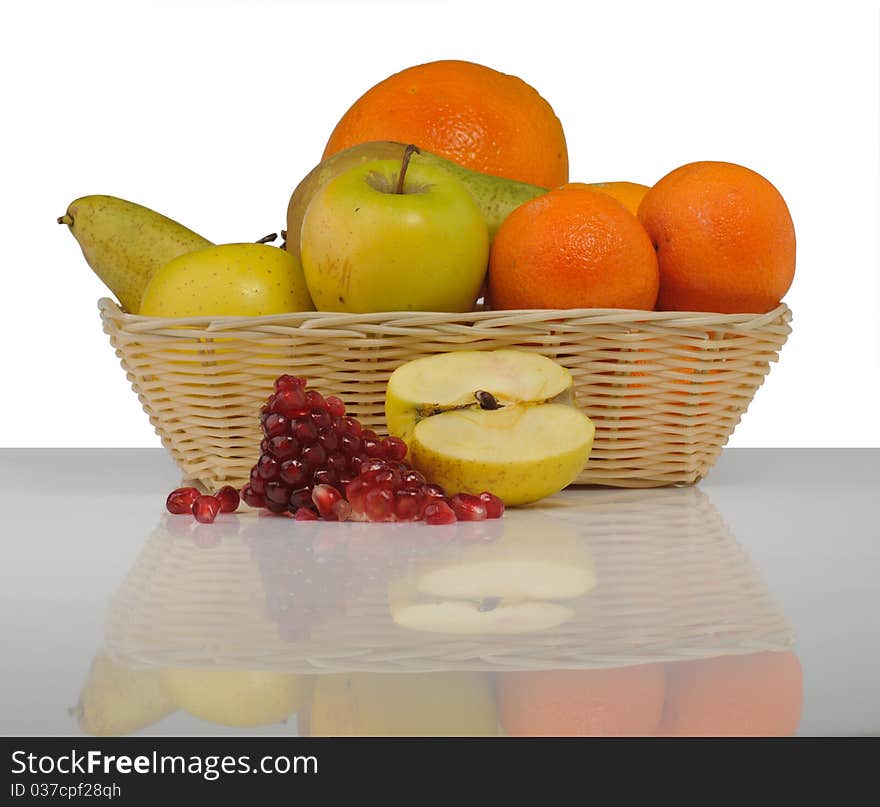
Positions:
{"x": 316, "y": 459}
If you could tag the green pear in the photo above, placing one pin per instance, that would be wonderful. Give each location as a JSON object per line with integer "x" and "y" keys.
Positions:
{"x": 116, "y": 700}
{"x": 125, "y": 243}
{"x": 495, "y": 196}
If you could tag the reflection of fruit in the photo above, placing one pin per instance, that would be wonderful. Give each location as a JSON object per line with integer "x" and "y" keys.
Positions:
{"x": 759, "y": 694}
{"x": 489, "y": 420}
{"x": 724, "y": 239}
{"x": 476, "y": 116}
{"x": 507, "y": 586}
{"x": 228, "y": 280}
{"x": 370, "y": 244}
{"x": 618, "y": 701}
{"x": 241, "y": 698}
{"x": 629, "y": 194}
{"x": 572, "y": 248}
{"x": 495, "y": 196}
{"x": 126, "y": 243}
{"x": 403, "y": 705}
{"x": 116, "y": 700}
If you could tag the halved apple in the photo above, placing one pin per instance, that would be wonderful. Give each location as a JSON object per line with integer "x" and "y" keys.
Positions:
{"x": 501, "y": 420}
{"x": 513, "y": 585}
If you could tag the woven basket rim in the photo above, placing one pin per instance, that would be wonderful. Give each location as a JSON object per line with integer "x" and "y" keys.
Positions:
{"x": 139, "y": 322}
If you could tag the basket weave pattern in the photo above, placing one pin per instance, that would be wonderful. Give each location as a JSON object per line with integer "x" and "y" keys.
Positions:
{"x": 665, "y": 389}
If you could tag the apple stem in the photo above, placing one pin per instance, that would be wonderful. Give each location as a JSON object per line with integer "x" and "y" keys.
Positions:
{"x": 407, "y": 154}
{"x": 267, "y": 239}
{"x": 486, "y": 400}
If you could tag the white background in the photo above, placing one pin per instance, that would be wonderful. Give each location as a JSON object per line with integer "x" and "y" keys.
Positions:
{"x": 211, "y": 112}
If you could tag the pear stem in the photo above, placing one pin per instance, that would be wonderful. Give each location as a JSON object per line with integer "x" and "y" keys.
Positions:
{"x": 407, "y": 154}
{"x": 267, "y": 239}
{"x": 66, "y": 219}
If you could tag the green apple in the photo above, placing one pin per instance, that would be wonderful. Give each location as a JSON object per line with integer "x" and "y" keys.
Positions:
{"x": 236, "y": 280}
{"x": 388, "y": 236}
{"x": 502, "y": 421}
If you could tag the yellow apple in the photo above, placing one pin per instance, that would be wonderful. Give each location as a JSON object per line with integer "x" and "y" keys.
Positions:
{"x": 236, "y": 280}
{"x": 241, "y": 698}
{"x": 502, "y": 421}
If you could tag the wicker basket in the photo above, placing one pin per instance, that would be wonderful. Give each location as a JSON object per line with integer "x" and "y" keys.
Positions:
{"x": 672, "y": 584}
{"x": 665, "y": 389}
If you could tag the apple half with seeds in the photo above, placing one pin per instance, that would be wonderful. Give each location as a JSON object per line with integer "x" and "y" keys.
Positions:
{"x": 524, "y": 582}
{"x": 498, "y": 420}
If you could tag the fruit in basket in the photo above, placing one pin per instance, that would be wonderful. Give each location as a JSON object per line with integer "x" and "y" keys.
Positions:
{"x": 238, "y": 280}
{"x": 480, "y": 118}
{"x": 724, "y": 238}
{"x": 519, "y": 583}
{"x": 495, "y": 196}
{"x": 436, "y": 704}
{"x": 116, "y": 700}
{"x": 629, "y": 194}
{"x": 572, "y": 248}
{"x": 498, "y": 420}
{"x": 125, "y": 243}
{"x": 609, "y": 702}
{"x": 240, "y": 698}
{"x": 315, "y": 461}
{"x": 751, "y": 695}
{"x": 391, "y": 236}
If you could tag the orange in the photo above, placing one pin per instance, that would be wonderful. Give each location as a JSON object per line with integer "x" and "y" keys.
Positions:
{"x": 724, "y": 238}
{"x": 629, "y": 194}
{"x": 754, "y": 695}
{"x": 572, "y": 248}
{"x": 614, "y": 702}
{"x": 476, "y": 116}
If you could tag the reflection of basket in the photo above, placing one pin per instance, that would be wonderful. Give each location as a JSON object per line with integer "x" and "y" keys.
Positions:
{"x": 672, "y": 584}
{"x": 665, "y": 389}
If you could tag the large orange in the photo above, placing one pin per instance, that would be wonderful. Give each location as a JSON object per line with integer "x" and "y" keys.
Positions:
{"x": 480, "y": 118}
{"x": 613, "y": 702}
{"x": 629, "y": 194}
{"x": 753, "y": 695}
{"x": 724, "y": 239}
{"x": 572, "y": 248}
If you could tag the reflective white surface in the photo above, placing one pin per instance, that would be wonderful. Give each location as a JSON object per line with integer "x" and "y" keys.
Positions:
{"x": 775, "y": 550}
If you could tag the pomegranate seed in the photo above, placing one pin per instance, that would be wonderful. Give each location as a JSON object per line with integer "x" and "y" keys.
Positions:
{"x": 355, "y": 492}
{"x": 387, "y": 478}
{"x": 368, "y": 434}
{"x": 494, "y": 506}
{"x": 205, "y": 509}
{"x": 337, "y": 463}
{"x": 342, "y": 510}
{"x": 276, "y": 425}
{"x": 335, "y": 406}
{"x": 324, "y": 476}
{"x": 328, "y": 439}
{"x": 258, "y": 484}
{"x": 467, "y": 507}
{"x": 264, "y": 445}
{"x": 315, "y": 400}
{"x": 305, "y": 514}
{"x": 289, "y": 382}
{"x": 324, "y": 497}
{"x": 251, "y": 497}
{"x": 438, "y": 512}
{"x": 351, "y": 444}
{"x": 283, "y": 448}
{"x": 268, "y": 468}
{"x": 344, "y": 479}
{"x": 372, "y": 447}
{"x": 394, "y": 448}
{"x": 229, "y": 499}
{"x": 277, "y": 493}
{"x": 180, "y": 501}
{"x": 378, "y": 504}
{"x": 413, "y": 480}
{"x": 276, "y": 508}
{"x": 291, "y": 403}
{"x": 301, "y": 498}
{"x": 407, "y": 504}
{"x": 294, "y": 473}
{"x": 305, "y": 431}
{"x": 314, "y": 455}
{"x": 369, "y": 465}
{"x": 434, "y": 492}
{"x": 321, "y": 418}
{"x": 353, "y": 426}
